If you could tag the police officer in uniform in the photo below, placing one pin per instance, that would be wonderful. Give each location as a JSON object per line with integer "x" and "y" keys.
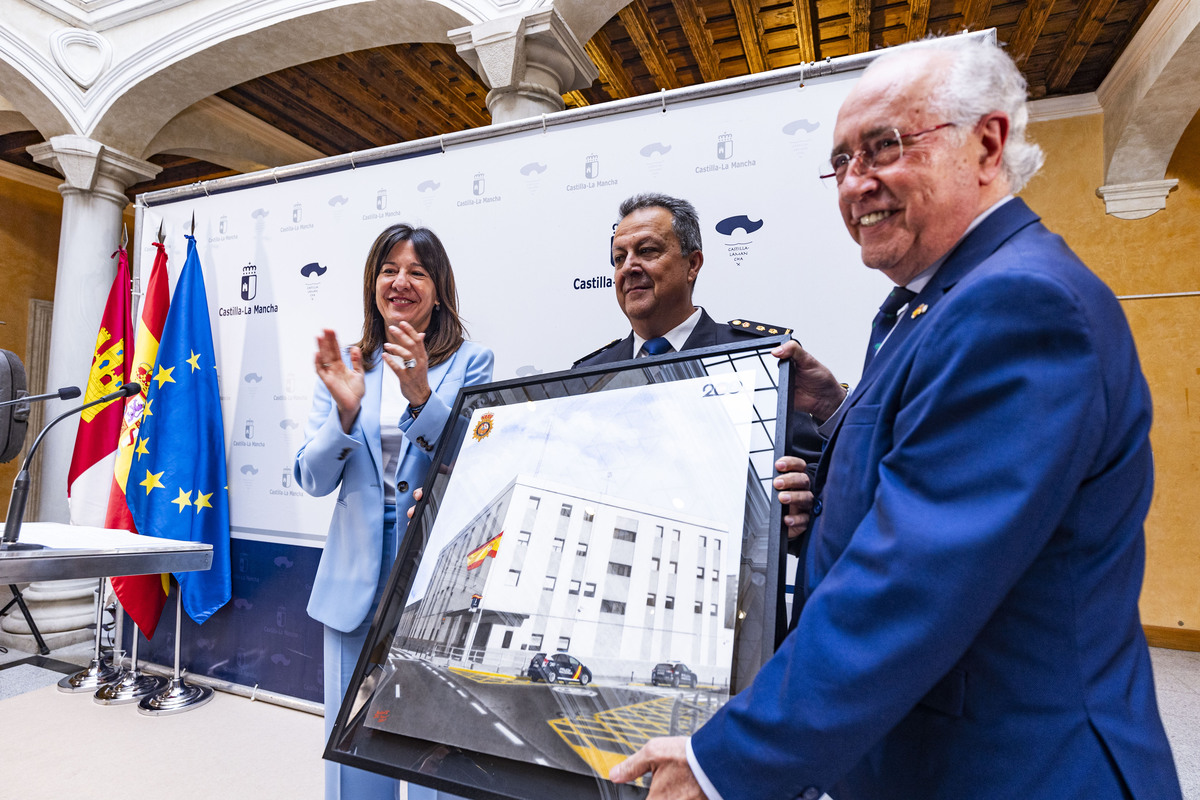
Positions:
{"x": 657, "y": 255}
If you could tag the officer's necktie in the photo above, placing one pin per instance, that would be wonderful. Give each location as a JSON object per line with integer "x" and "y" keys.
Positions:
{"x": 885, "y": 320}
{"x": 656, "y": 346}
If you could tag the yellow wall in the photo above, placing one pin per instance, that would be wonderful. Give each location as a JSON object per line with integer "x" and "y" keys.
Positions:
{"x": 29, "y": 228}
{"x": 1159, "y": 254}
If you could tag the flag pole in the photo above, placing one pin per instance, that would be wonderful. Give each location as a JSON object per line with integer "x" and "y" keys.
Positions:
{"x": 178, "y": 696}
{"x": 134, "y": 684}
{"x": 97, "y": 673}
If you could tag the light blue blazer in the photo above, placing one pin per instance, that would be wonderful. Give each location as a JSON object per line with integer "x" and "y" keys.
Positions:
{"x": 352, "y": 464}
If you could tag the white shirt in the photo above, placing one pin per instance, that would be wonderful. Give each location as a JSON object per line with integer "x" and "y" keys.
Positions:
{"x": 677, "y": 336}
{"x": 391, "y": 407}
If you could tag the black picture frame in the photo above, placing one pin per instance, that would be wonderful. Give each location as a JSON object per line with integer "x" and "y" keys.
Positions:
{"x": 437, "y": 701}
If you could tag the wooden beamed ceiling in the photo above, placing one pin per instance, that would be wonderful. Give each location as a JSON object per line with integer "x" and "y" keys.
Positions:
{"x": 403, "y": 92}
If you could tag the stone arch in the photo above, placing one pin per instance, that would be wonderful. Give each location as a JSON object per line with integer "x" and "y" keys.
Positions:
{"x": 197, "y": 56}
{"x": 151, "y": 100}
{"x": 28, "y": 104}
{"x": 1149, "y": 100}
{"x": 200, "y": 53}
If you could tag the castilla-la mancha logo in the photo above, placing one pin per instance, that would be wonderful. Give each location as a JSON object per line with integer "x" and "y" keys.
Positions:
{"x": 249, "y": 282}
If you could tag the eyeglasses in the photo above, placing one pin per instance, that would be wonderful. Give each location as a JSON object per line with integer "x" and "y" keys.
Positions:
{"x": 879, "y": 151}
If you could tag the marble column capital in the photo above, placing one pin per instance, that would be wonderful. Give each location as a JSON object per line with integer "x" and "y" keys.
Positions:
{"x": 91, "y": 166}
{"x": 527, "y": 61}
{"x": 1136, "y": 199}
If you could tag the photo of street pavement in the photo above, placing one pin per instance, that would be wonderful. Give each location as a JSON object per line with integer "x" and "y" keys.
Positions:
{"x": 583, "y": 729}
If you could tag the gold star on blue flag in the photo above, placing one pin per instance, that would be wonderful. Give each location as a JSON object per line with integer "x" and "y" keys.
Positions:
{"x": 185, "y": 455}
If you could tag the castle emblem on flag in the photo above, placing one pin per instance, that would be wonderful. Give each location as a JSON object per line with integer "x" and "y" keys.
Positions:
{"x": 105, "y": 375}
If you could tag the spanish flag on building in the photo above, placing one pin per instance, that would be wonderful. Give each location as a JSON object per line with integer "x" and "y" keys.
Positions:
{"x": 488, "y": 548}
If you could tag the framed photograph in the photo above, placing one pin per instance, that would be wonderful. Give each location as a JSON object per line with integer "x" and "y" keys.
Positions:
{"x": 597, "y": 560}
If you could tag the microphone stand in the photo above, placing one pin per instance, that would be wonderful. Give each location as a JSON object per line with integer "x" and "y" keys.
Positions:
{"x": 20, "y": 490}
{"x": 97, "y": 673}
{"x": 65, "y": 393}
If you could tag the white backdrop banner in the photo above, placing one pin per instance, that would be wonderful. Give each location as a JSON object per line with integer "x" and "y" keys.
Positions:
{"x": 527, "y": 219}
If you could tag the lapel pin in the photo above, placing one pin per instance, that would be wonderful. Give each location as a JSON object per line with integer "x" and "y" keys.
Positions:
{"x": 919, "y": 310}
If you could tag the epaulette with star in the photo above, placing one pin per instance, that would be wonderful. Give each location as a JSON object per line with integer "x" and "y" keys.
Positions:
{"x": 758, "y": 328}
{"x": 597, "y": 351}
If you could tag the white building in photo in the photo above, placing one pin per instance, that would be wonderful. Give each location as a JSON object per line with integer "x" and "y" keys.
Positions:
{"x": 618, "y": 585}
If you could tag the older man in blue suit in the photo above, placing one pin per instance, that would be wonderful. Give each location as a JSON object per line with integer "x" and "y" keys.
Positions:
{"x": 971, "y": 628}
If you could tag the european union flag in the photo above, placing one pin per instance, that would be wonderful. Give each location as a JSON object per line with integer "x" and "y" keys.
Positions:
{"x": 177, "y": 487}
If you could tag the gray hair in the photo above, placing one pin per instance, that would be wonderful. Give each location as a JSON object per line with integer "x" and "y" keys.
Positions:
{"x": 982, "y": 78}
{"x": 684, "y": 219}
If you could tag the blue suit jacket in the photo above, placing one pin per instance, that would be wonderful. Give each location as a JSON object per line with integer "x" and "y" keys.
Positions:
{"x": 971, "y": 628}
{"x": 352, "y": 463}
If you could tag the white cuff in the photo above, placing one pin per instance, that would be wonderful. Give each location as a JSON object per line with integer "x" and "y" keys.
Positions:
{"x": 706, "y": 785}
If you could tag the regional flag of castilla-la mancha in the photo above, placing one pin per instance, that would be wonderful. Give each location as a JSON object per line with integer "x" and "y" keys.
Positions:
{"x": 142, "y": 596}
{"x": 485, "y": 550}
{"x": 90, "y": 475}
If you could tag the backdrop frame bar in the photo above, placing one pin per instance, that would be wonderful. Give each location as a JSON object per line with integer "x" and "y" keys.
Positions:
{"x": 436, "y": 144}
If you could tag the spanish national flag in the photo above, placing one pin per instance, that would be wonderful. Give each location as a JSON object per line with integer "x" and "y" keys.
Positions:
{"x": 144, "y": 355}
{"x": 143, "y": 596}
{"x": 488, "y": 548}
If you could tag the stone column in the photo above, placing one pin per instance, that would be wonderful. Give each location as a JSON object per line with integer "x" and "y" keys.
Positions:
{"x": 527, "y": 60}
{"x": 93, "y": 199}
{"x": 64, "y": 612}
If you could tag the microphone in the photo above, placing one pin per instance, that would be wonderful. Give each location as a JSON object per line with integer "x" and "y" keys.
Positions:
{"x": 65, "y": 393}
{"x": 20, "y": 490}
{"x": 126, "y": 390}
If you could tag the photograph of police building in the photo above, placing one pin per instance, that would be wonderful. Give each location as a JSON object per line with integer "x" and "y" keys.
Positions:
{"x": 550, "y": 568}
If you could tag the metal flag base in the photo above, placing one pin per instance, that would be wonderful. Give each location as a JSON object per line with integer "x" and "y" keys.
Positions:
{"x": 178, "y": 696}
{"x": 134, "y": 684}
{"x": 97, "y": 673}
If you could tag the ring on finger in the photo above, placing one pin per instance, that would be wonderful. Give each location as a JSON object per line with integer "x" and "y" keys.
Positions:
{"x": 410, "y": 363}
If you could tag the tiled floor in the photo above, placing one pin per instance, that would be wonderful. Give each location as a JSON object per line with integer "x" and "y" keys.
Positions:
{"x": 1177, "y": 676}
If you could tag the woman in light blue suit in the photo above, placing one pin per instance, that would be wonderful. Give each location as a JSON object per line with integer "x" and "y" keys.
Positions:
{"x": 378, "y": 411}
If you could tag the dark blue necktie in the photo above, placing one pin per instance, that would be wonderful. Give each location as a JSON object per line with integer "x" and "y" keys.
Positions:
{"x": 885, "y": 320}
{"x": 656, "y": 346}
